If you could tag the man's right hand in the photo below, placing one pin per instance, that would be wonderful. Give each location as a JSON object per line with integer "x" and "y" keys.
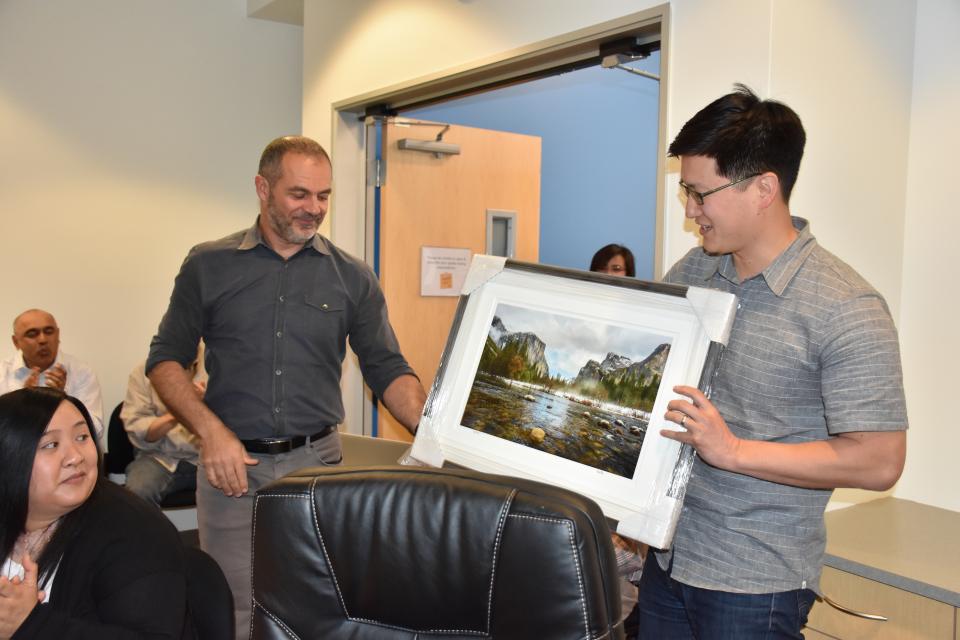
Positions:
{"x": 222, "y": 455}
{"x": 57, "y": 377}
{"x": 225, "y": 461}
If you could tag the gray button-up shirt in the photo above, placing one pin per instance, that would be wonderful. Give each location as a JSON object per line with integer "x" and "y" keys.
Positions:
{"x": 813, "y": 353}
{"x": 276, "y": 331}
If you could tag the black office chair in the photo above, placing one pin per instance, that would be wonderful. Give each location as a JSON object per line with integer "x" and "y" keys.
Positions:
{"x": 208, "y": 597}
{"x": 372, "y": 553}
{"x": 120, "y": 452}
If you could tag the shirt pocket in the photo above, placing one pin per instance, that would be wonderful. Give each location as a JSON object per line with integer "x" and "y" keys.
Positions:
{"x": 326, "y": 315}
{"x": 325, "y": 303}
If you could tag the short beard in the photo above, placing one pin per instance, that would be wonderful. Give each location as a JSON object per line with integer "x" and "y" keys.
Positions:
{"x": 284, "y": 228}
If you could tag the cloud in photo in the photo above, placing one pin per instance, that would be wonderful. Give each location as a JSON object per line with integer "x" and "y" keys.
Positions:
{"x": 571, "y": 342}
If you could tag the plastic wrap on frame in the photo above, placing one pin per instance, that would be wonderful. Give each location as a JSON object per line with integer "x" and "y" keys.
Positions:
{"x": 426, "y": 446}
{"x": 714, "y": 310}
{"x": 630, "y": 527}
{"x": 482, "y": 268}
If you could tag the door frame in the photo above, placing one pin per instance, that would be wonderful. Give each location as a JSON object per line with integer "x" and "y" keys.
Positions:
{"x": 352, "y": 174}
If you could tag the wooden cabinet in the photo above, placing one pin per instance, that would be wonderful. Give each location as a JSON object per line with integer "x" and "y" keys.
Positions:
{"x": 895, "y": 558}
{"x": 909, "y": 616}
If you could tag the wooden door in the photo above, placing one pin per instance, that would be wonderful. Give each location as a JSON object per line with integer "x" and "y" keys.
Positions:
{"x": 433, "y": 201}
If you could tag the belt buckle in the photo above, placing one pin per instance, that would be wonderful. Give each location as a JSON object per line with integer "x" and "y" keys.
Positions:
{"x": 278, "y": 445}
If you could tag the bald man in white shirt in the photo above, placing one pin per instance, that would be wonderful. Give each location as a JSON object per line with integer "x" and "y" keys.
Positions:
{"x": 39, "y": 362}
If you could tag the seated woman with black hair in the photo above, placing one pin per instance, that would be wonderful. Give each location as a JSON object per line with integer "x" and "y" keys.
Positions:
{"x": 614, "y": 259}
{"x": 82, "y": 557}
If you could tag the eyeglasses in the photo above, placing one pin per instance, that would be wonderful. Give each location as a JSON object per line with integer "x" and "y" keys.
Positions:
{"x": 698, "y": 197}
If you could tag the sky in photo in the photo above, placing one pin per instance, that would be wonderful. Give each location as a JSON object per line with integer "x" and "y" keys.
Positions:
{"x": 571, "y": 341}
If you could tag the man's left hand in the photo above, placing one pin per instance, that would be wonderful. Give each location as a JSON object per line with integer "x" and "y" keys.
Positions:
{"x": 56, "y": 377}
{"x": 33, "y": 379}
{"x": 706, "y": 431}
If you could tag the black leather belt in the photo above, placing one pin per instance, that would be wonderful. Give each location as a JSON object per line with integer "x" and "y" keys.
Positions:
{"x": 283, "y": 445}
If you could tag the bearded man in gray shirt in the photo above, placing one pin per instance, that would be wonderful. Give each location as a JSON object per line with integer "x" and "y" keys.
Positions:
{"x": 275, "y": 305}
{"x": 808, "y": 396}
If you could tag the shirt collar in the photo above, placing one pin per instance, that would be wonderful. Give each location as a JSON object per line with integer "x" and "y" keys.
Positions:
{"x": 784, "y": 267}
{"x": 253, "y": 237}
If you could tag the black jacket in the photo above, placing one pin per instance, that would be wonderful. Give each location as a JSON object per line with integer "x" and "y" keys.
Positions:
{"x": 121, "y": 578}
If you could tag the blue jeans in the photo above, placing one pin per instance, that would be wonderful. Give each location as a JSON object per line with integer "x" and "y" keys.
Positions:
{"x": 675, "y": 611}
{"x": 151, "y": 481}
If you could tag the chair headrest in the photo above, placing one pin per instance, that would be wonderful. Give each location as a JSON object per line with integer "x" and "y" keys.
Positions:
{"x": 427, "y": 550}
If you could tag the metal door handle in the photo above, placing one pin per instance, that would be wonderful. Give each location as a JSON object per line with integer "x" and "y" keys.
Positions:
{"x": 859, "y": 614}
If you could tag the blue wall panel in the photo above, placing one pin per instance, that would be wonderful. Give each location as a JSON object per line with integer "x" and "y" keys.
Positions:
{"x": 599, "y": 167}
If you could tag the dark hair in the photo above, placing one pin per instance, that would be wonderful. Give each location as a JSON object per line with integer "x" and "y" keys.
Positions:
{"x": 24, "y": 416}
{"x": 746, "y": 135}
{"x": 272, "y": 157}
{"x": 604, "y": 255}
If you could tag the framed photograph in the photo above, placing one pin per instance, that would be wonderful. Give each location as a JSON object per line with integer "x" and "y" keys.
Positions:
{"x": 564, "y": 376}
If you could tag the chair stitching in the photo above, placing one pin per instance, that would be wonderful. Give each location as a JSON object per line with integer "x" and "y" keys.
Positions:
{"x": 323, "y": 546}
{"x": 576, "y": 558}
{"x": 253, "y": 553}
{"x": 540, "y": 518}
{"x": 283, "y": 626}
{"x": 420, "y": 631}
{"x": 501, "y": 521}
{"x": 576, "y": 562}
{"x": 253, "y": 536}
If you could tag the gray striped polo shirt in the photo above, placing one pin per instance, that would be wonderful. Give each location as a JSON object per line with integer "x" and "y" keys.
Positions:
{"x": 813, "y": 353}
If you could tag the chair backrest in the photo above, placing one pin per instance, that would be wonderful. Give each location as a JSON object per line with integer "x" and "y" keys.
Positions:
{"x": 208, "y": 597}
{"x": 405, "y": 552}
{"x": 120, "y": 451}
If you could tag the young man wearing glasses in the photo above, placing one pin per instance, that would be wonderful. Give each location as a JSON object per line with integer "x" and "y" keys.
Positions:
{"x": 808, "y": 396}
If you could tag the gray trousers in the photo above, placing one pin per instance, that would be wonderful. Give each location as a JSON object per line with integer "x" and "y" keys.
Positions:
{"x": 226, "y": 523}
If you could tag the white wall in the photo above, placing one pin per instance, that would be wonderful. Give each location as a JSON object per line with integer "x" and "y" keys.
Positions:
{"x": 129, "y": 132}
{"x": 847, "y": 67}
{"x": 929, "y": 335}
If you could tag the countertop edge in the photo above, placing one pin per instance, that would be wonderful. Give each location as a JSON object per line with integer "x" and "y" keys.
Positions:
{"x": 891, "y": 579}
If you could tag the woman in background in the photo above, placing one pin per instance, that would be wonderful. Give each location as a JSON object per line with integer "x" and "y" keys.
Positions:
{"x": 614, "y": 259}
{"x": 82, "y": 557}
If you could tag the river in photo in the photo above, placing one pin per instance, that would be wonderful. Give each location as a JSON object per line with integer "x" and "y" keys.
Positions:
{"x": 590, "y": 435}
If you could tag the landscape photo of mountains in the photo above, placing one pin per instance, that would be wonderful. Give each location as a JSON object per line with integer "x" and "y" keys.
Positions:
{"x": 579, "y": 389}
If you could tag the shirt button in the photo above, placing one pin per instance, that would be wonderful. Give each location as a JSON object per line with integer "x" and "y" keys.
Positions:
{"x": 276, "y": 409}
{"x": 279, "y": 334}
{"x": 281, "y": 298}
{"x": 278, "y": 372}
{"x": 323, "y": 306}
